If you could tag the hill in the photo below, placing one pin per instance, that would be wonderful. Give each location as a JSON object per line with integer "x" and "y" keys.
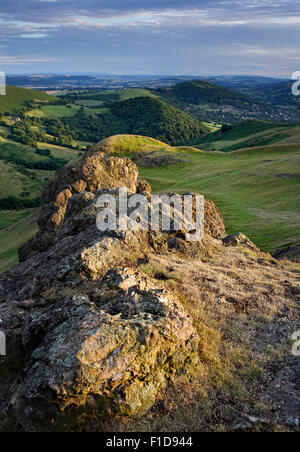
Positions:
{"x": 139, "y": 116}
{"x": 269, "y": 216}
{"x": 213, "y": 103}
{"x": 203, "y": 92}
{"x": 24, "y": 172}
{"x": 157, "y": 119}
{"x": 16, "y": 98}
{"x": 250, "y": 134}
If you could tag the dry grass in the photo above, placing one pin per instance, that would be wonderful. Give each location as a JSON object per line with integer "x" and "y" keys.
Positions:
{"x": 244, "y": 306}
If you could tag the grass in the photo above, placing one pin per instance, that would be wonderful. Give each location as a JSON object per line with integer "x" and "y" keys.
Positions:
{"x": 62, "y": 111}
{"x": 250, "y": 134}
{"x": 16, "y": 97}
{"x": 59, "y": 151}
{"x": 55, "y": 111}
{"x": 15, "y": 229}
{"x": 116, "y": 95}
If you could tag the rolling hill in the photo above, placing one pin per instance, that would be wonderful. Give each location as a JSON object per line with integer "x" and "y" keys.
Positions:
{"x": 16, "y": 97}
{"x": 157, "y": 119}
{"x": 203, "y": 92}
{"x": 207, "y": 101}
{"x": 250, "y": 134}
{"x": 139, "y": 116}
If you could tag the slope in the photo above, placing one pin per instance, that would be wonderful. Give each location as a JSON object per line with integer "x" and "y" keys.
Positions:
{"x": 15, "y": 98}
{"x": 252, "y": 133}
{"x": 210, "y": 102}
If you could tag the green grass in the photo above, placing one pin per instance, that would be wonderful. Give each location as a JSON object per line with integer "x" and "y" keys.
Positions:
{"x": 57, "y": 111}
{"x": 89, "y": 102}
{"x": 16, "y": 97}
{"x": 15, "y": 229}
{"x": 62, "y": 111}
{"x": 250, "y": 133}
{"x": 116, "y": 95}
{"x": 60, "y": 151}
{"x": 255, "y": 190}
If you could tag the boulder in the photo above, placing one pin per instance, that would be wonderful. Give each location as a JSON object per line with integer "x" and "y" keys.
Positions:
{"x": 111, "y": 351}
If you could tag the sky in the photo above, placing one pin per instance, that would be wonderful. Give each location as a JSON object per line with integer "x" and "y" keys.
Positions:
{"x": 187, "y": 37}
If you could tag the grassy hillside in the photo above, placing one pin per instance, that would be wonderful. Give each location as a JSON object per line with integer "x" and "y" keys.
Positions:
{"x": 250, "y": 134}
{"x": 16, "y": 227}
{"x": 16, "y": 97}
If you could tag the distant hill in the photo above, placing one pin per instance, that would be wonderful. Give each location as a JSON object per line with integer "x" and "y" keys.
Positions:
{"x": 202, "y": 92}
{"x": 155, "y": 118}
{"x": 139, "y": 116}
{"x": 213, "y": 103}
{"x": 278, "y": 94}
{"x": 16, "y": 97}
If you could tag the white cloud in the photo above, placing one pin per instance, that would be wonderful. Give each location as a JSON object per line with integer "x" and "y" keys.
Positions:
{"x": 24, "y": 60}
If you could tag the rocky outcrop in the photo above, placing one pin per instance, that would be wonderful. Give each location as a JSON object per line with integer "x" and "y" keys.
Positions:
{"x": 113, "y": 350}
{"x": 84, "y": 331}
{"x": 101, "y": 322}
{"x": 96, "y": 170}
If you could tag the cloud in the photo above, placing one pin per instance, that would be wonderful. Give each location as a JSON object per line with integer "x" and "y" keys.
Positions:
{"x": 161, "y": 36}
{"x": 24, "y": 60}
{"x": 33, "y": 36}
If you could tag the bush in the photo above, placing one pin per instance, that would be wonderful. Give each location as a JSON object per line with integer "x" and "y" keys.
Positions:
{"x": 44, "y": 152}
{"x": 14, "y": 203}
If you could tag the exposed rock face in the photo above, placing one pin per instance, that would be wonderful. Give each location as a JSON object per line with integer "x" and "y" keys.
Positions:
{"x": 83, "y": 332}
{"x": 96, "y": 170}
{"x": 115, "y": 352}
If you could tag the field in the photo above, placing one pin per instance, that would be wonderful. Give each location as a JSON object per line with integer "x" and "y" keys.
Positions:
{"x": 16, "y": 97}
{"x": 113, "y": 95}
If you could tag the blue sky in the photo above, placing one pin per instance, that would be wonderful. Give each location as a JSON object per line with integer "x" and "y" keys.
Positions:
{"x": 150, "y": 36}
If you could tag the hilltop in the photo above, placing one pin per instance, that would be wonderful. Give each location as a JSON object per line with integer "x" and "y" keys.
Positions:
{"x": 139, "y": 329}
{"x": 16, "y": 98}
{"x": 201, "y": 92}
